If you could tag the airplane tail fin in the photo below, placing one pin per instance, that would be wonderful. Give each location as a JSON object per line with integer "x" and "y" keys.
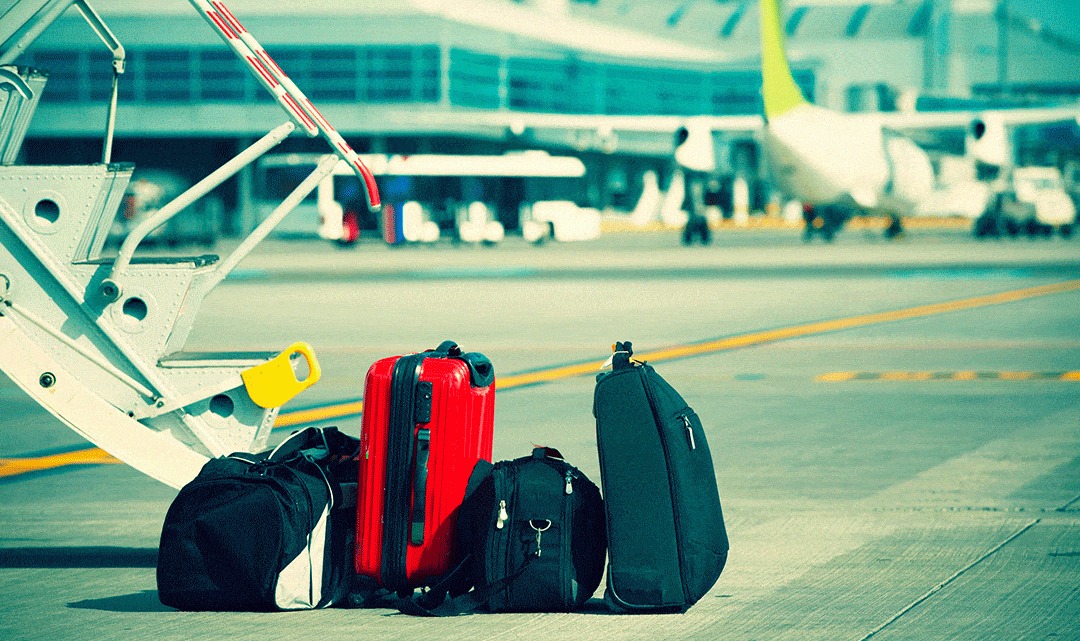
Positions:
{"x": 778, "y": 87}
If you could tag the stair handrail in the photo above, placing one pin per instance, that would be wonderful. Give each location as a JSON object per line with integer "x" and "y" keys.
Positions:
{"x": 301, "y": 111}
{"x": 284, "y": 90}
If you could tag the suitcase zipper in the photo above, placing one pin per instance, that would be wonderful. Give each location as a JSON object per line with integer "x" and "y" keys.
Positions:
{"x": 503, "y": 516}
{"x": 566, "y": 554}
{"x": 400, "y": 435}
{"x": 499, "y": 568}
{"x": 689, "y": 431}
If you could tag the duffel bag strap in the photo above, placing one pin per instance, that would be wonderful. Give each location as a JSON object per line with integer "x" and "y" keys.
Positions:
{"x": 434, "y": 603}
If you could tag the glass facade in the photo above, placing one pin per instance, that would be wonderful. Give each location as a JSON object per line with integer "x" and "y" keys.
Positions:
{"x": 409, "y": 74}
{"x": 475, "y": 79}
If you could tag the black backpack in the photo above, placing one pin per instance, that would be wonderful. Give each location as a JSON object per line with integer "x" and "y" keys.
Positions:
{"x": 260, "y": 532}
{"x": 666, "y": 535}
{"x": 531, "y": 532}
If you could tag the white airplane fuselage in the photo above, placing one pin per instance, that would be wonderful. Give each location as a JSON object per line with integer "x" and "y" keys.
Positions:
{"x": 823, "y": 157}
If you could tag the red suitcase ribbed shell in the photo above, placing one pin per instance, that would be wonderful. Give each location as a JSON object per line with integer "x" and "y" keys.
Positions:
{"x": 461, "y": 434}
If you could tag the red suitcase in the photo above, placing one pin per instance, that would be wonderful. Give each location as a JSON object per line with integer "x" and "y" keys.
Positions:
{"x": 427, "y": 420}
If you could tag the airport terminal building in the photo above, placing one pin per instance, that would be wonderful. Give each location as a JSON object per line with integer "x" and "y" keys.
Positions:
{"x": 396, "y": 77}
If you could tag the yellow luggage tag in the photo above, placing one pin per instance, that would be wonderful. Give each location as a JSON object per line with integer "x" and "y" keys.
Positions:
{"x": 275, "y": 383}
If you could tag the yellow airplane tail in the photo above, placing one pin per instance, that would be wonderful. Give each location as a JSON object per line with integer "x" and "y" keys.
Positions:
{"x": 778, "y": 88}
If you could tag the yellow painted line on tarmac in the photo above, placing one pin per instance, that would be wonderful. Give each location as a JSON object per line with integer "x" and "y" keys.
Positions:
{"x": 316, "y": 414}
{"x": 893, "y": 376}
{"x": 1016, "y": 376}
{"x": 820, "y": 327}
{"x": 796, "y": 331}
{"x": 840, "y": 377}
{"x": 90, "y": 456}
{"x": 552, "y": 374}
{"x": 18, "y": 466}
{"x": 837, "y": 377}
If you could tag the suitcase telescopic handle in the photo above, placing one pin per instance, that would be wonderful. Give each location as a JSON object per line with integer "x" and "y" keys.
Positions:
{"x": 621, "y": 354}
{"x": 420, "y": 473}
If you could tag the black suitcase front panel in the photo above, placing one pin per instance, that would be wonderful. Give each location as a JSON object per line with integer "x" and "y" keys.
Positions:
{"x": 699, "y": 519}
{"x": 645, "y": 566}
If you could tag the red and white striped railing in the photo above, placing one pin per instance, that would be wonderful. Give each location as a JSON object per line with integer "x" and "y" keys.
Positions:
{"x": 306, "y": 116}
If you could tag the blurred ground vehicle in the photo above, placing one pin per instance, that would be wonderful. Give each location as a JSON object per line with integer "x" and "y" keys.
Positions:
{"x": 469, "y": 198}
{"x": 561, "y": 220}
{"x": 1044, "y": 189}
{"x": 1032, "y": 202}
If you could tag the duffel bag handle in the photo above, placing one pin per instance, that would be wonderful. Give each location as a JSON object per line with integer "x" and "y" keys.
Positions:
{"x": 310, "y": 439}
{"x": 315, "y": 443}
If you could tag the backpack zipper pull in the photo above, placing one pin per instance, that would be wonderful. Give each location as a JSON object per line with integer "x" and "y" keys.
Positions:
{"x": 689, "y": 432}
{"x": 503, "y": 516}
{"x": 569, "y": 482}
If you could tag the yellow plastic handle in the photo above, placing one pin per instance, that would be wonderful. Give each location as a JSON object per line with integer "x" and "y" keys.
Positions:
{"x": 274, "y": 383}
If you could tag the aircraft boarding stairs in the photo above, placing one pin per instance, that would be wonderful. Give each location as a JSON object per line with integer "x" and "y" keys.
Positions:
{"x": 97, "y": 340}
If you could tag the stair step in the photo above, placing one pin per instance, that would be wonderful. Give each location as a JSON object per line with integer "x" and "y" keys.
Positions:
{"x": 215, "y": 359}
{"x": 195, "y": 261}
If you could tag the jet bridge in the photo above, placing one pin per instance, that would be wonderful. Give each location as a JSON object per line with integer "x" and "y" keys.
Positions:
{"x": 97, "y": 340}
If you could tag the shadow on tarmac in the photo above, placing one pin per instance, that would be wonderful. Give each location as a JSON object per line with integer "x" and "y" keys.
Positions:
{"x": 78, "y": 557}
{"x": 145, "y": 601}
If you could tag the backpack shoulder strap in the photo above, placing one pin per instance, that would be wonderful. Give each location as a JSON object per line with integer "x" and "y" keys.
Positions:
{"x": 434, "y": 603}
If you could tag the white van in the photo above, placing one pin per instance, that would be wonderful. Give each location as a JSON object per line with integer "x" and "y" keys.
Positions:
{"x": 1044, "y": 189}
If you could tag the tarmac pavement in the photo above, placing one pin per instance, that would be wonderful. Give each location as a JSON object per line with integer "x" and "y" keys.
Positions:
{"x": 910, "y": 500}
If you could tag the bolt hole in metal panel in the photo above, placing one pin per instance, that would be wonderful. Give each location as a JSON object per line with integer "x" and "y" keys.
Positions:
{"x": 47, "y": 211}
{"x": 222, "y": 405}
{"x": 135, "y": 308}
{"x": 139, "y": 312}
{"x": 42, "y": 210}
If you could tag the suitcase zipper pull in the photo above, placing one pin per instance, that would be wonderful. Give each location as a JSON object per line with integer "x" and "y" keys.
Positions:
{"x": 689, "y": 432}
{"x": 503, "y": 516}
{"x": 569, "y": 482}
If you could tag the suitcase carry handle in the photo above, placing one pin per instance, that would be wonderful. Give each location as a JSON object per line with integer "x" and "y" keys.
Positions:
{"x": 447, "y": 349}
{"x": 481, "y": 371}
{"x": 421, "y": 454}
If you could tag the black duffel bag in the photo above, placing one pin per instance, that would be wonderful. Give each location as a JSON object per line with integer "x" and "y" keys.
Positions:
{"x": 264, "y": 532}
{"x": 531, "y": 532}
